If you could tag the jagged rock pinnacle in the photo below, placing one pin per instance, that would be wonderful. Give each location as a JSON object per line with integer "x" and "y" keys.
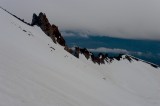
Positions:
{"x": 51, "y": 30}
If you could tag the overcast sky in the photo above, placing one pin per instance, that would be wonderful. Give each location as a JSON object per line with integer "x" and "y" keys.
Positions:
{"x": 138, "y": 19}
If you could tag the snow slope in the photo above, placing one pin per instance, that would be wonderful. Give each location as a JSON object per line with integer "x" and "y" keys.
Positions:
{"x": 34, "y": 74}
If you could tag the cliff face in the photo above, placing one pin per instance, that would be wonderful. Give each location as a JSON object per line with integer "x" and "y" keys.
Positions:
{"x": 50, "y": 30}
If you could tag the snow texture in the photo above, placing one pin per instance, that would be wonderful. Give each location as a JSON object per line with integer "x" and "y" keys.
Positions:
{"x": 32, "y": 73}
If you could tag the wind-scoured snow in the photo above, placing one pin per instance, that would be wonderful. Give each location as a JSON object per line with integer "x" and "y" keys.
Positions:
{"x": 32, "y": 73}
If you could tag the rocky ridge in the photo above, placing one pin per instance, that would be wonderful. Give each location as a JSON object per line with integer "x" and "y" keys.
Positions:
{"x": 53, "y": 32}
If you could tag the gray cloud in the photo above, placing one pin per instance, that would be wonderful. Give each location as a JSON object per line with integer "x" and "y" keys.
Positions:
{"x": 109, "y": 50}
{"x": 136, "y": 19}
{"x": 124, "y": 51}
{"x": 71, "y": 34}
{"x": 115, "y": 50}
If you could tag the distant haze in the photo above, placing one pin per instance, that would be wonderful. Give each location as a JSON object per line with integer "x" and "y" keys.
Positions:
{"x": 135, "y": 19}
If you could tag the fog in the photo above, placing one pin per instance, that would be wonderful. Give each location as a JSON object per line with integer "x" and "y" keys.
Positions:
{"x": 135, "y": 19}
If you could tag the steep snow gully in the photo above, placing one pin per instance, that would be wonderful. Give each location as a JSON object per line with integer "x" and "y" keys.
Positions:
{"x": 34, "y": 71}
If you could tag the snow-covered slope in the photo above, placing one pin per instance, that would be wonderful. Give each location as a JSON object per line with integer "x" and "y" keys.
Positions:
{"x": 32, "y": 73}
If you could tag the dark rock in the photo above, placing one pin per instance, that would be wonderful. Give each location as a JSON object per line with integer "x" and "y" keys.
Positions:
{"x": 50, "y": 30}
{"x": 77, "y": 51}
{"x": 155, "y": 66}
{"x": 102, "y": 57}
{"x": 87, "y": 54}
{"x": 135, "y": 58}
{"x": 52, "y": 48}
{"x": 119, "y": 57}
{"x": 128, "y": 58}
{"x": 95, "y": 59}
{"x": 68, "y": 49}
{"x": 24, "y": 31}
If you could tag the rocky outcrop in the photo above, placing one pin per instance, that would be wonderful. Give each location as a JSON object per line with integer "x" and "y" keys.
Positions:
{"x": 77, "y": 51}
{"x": 128, "y": 58}
{"x": 85, "y": 52}
{"x": 68, "y": 49}
{"x": 102, "y": 58}
{"x": 51, "y": 30}
{"x": 95, "y": 59}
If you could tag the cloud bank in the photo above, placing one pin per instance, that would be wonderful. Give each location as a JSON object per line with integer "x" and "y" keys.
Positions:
{"x": 108, "y": 50}
{"x": 72, "y": 34}
{"x": 115, "y": 51}
{"x": 135, "y": 19}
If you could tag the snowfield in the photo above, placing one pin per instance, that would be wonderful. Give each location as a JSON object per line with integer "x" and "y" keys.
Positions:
{"x": 32, "y": 73}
